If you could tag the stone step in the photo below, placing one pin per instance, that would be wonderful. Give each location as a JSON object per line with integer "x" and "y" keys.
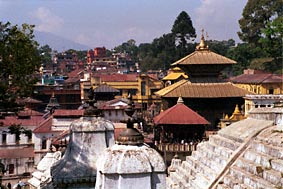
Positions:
{"x": 249, "y": 179}
{"x": 267, "y": 173}
{"x": 200, "y": 167}
{"x": 175, "y": 181}
{"x": 195, "y": 177}
{"x": 234, "y": 137}
{"x": 210, "y": 156}
{"x": 274, "y": 151}
{"x": 277, "y": 164}
{"x": 224, "y": 142}
{"x": 258, "y": 157}
{"x": 183, "y": 173}
{"x": 222, "y": 186}
{"x": 232, "y": 182}
{"x": 222, "y": 151}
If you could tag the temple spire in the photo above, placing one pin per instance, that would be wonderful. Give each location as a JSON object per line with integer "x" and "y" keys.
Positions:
{"x": 202, "y": 45}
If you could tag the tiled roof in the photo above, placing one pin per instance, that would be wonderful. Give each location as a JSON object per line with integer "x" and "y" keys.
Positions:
{"x": 257, "y": 78}
{"x": 203, "y": 57}
{"x": 44, "y": 127}
{"x": 67, "y": 113}
{"x": 16, "y": 153}
{"x": 75, "y": 73}
{"x": 118, "y": 77}
{"x": 30, "y": 112}
{"x": 179, "y": 114}
{"x": 30, "y": 122}
{"x": 104, "y": 88}
{"x": 187, "y": 89}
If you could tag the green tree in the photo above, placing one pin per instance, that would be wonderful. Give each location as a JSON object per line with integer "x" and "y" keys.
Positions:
{"x": 256, "y": 17}
{"x": 183, "y": 30}
{"x": 19, "y": 59}
{"x": 243, "y": 55}
{"x": 45, "y": 53}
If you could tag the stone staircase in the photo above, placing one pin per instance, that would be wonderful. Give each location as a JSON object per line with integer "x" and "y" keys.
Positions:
{"x": 260, "y": 165}
{"x": 234, "y": 158}
{"x": 204, "y": 164}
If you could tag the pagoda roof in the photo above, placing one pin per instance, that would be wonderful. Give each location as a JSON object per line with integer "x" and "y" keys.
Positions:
{"x": 203, "y": 56}
{"x": 186, "y": 89}
{"x": 179, "y": 114}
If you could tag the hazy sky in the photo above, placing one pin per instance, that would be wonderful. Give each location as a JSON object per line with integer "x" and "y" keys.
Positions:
{"x": 111, "y": 22}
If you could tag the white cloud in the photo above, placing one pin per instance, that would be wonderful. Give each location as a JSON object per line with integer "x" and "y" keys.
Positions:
{"x": 49, "y": 22}
{"x": 219, "y": 18}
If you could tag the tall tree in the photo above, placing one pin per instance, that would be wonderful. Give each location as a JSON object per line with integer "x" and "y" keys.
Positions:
{"x": 19, "y": 59}
{"x": 183, "y": 30}
{"x": 256, "y": 16}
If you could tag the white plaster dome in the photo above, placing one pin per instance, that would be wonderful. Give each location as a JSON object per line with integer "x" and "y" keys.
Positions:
{"x": 130, "y": 159}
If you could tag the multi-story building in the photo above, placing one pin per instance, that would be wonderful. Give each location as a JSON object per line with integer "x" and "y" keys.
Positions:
{"x": 141, "y": 86}
{"x": 17, "y": 144}
{"x": 259, "y": 82}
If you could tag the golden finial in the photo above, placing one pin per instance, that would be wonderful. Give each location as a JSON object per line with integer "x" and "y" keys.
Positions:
{"x": 202, "y": 45}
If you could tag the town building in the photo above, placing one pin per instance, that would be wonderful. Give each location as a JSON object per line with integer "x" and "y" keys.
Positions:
{"x": 259, "y": 82}
{"x": 141, "y": 86}
{"x": 52, "y": 127}
{"x": 17, "y": 144}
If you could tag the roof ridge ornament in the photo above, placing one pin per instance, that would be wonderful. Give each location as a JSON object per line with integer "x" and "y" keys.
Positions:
{"x": 92, "y": 109}
{"x": 180, "y": 100}
{"x": 130, "y": 135}
{"x": 202, "y": 45}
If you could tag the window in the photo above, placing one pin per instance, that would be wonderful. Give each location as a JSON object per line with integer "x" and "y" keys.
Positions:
{"x": 4, "y": 137}
{"x": 43, "y": 143}
{"x": 132, "y": 91}
{"x": 11, "y": 168}
{"x": 143, "y": 92}
{"x": 271, "y": 91}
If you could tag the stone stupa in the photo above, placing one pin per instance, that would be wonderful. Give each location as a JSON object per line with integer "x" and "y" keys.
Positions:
{"x": 89, "y": 136}
{"x": 130, "y": 163}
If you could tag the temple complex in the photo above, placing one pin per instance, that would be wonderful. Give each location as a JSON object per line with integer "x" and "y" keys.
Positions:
{"x": 205, "y": 91}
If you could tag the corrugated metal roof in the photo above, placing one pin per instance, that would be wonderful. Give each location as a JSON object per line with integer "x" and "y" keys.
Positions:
{"x": 203, "y": 57}
{"x": 187, "y": 89}
{"x": 179, "y": 114}
{"x": 257, "y": 78}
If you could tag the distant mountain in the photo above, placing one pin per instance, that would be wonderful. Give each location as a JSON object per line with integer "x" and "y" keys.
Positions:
{"x": 57, "y": 43}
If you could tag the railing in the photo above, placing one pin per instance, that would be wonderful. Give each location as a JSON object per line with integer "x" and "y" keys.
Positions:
{"x": 177, "y": 147}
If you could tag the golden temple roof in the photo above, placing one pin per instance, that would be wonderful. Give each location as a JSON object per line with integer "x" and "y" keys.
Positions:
{"x": 186, "y": 89}
{"x": 203, "y": 55}
{"x": 174, "y": 76}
